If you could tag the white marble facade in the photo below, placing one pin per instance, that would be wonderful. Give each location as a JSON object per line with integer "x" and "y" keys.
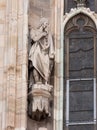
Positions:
{"x": 16, "y": 18}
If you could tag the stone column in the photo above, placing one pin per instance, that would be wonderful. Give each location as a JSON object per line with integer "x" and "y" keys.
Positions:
{"x": 13, "y": 64}
{"x": 22, "y": 67}
{"x": 58, "y": 84}
{"x": 10, "y": 59}
{"x": 2, "y": 76}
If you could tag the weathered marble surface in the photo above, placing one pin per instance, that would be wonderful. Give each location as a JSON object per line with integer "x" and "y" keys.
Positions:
{"x": 13, "y": 74}
{"x": 13, "y": 59}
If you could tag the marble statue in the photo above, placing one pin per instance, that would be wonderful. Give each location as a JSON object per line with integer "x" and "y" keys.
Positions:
{"x": 41, "y": 53}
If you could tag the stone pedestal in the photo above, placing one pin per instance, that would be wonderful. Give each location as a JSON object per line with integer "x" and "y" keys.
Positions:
{"x": 40, "y": 97}
{"x": 42, "y": 128}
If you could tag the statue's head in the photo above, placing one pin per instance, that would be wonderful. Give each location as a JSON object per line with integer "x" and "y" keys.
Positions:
{"x": 43, "y": 22}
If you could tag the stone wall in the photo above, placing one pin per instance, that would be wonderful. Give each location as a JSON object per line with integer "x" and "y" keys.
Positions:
{"x": 38, "y": 9}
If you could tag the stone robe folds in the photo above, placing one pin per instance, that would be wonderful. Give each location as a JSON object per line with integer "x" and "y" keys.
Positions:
{"x": 40, "y": 54}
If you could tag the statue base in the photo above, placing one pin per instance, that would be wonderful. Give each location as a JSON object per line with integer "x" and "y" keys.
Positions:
{"x": 40, "y": 97}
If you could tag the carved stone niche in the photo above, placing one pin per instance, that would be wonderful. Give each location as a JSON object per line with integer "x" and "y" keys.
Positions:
{"x": 41, "y": 57}
{"x": 40, "y": 97}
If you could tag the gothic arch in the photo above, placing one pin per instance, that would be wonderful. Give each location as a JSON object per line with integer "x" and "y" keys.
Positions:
{"x": 85, "y": 11}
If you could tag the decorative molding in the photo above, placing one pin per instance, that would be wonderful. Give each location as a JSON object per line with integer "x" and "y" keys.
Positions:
{"x": 79, "y": 22}
{"x": 75, "y": 11}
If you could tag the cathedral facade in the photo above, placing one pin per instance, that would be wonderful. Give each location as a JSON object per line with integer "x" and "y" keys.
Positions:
{"x": 48, "y": 64}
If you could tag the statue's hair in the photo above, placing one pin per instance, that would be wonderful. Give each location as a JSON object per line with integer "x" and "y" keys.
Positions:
{"x": 42, "y": 20}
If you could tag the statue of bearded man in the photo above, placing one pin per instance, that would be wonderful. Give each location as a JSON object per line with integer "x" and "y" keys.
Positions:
{"x": 41, "y": 53}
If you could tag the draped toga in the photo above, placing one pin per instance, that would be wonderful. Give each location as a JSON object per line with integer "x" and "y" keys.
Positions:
{"x": 40, "y": 54}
